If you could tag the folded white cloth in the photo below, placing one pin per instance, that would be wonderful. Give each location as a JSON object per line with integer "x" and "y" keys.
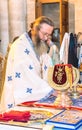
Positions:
{"x": 64, "y": 49}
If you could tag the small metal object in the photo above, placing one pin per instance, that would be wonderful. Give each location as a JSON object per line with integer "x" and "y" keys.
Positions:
{"x": 75, "y": 94}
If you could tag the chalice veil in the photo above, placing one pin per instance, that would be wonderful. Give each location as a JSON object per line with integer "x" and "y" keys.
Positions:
{"x": 62, "y": 77}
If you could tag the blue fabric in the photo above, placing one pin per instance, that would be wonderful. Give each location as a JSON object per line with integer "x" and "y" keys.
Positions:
{"x": 72, "y": 58}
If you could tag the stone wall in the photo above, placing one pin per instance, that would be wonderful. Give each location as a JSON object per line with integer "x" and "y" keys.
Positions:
{"x": 16, "y": 16}
{"x": 75, "y": 16}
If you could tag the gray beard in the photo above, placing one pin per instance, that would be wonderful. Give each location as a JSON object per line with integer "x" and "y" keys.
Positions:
{"x": 41, "y": 49}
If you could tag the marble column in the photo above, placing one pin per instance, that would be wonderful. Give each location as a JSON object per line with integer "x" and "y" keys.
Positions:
{"x": 17, "y": 19}
{"x": 30, "y": 16}
{"x": 4, "y": 28}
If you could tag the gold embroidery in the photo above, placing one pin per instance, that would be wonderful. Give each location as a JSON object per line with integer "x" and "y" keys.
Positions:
{"x": 66, "y": 85}
{"x": 59, "y": 73}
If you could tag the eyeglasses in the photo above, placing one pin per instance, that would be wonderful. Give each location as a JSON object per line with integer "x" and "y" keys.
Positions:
{"x": 46, "y": 34}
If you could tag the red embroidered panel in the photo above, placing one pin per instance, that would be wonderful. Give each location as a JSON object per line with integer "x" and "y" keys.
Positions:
{"x": 59, "y": 74}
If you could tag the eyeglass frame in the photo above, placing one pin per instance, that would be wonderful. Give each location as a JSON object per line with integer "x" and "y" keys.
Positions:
{"x": 46, "y": 34}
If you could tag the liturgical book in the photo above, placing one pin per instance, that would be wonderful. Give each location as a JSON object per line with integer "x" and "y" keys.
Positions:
{"x": 67, "y": 119}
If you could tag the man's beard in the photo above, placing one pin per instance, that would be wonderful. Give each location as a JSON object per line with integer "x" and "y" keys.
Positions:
{"x": 41, "y": 46}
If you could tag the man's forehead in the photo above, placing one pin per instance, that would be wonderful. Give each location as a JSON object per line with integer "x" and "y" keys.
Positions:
{"x": 47, "y": 28}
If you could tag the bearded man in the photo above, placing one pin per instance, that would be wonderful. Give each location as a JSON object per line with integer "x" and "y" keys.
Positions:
{"x": 27, "y": 65}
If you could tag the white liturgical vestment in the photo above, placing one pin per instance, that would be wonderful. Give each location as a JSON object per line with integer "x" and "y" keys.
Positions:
{"x": 23, "y": 80}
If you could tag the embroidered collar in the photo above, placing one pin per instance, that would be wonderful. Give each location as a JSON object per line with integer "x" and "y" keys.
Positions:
{"x": 31, "y": 43}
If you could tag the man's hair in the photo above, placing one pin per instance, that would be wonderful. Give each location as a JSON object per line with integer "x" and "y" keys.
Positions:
{"x": 39, "y": 21}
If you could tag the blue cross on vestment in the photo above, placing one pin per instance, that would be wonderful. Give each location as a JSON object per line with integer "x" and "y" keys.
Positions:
{"x": 9, "y": 78}
{"x": 17, "y": 75}
{"x": 27, "y": 51}
{"x": 45, "y": 67}
{"x": 30, "y": 67}
{"x": 29, "y": 90}
{"x": 10, "y": 105}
